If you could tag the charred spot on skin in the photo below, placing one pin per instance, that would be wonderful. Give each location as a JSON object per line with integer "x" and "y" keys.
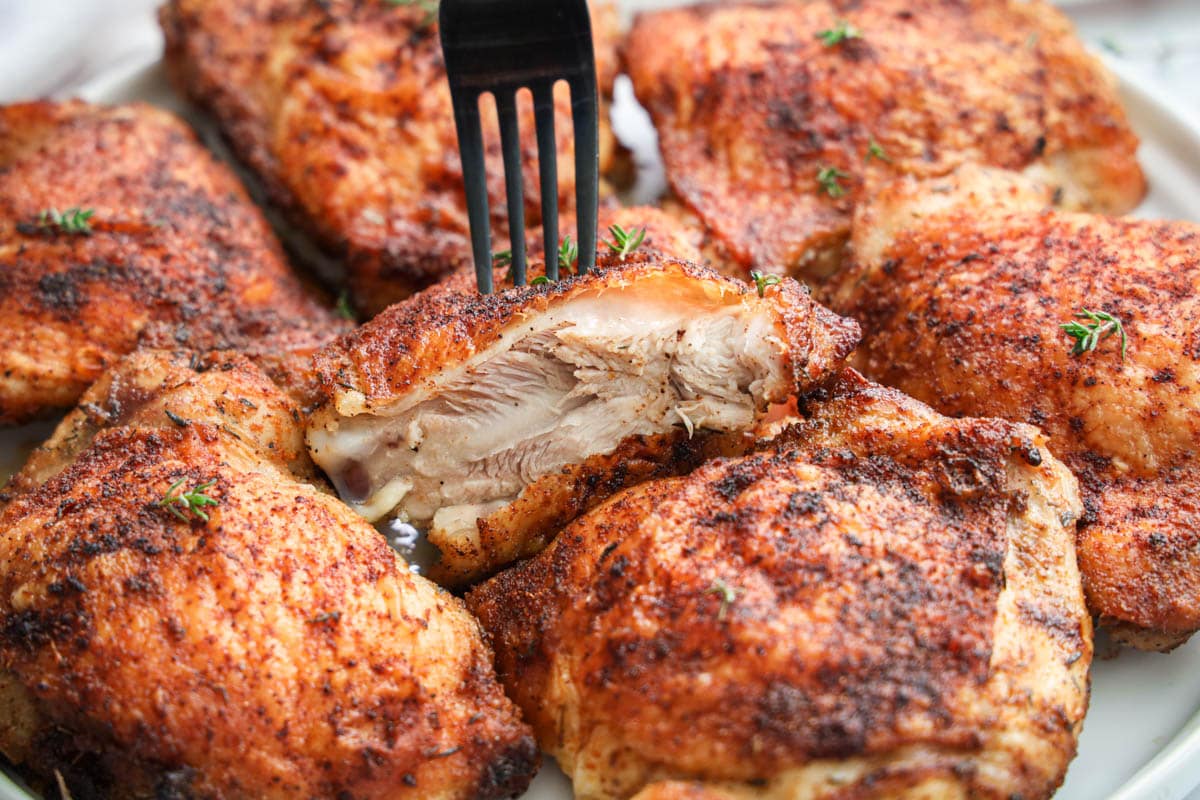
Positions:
{"x": 1031, "y": 454}
{"x": 604, "y": 554}
{"x": 508, "y": 773}
{"x": 1165, "y": 375}
{"x": 59, "y": 292}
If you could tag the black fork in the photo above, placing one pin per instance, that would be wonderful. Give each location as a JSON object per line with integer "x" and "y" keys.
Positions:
{"x": 501, "y": 46}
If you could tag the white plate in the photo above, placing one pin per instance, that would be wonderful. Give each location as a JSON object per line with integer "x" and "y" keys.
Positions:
{"x": 1141, "y": 740}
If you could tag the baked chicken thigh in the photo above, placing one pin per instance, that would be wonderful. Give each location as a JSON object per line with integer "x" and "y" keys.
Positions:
{"x": 342, "y": 109}
{"x": 881, "y": 602}
{"x": 117, "y": 229}
{"x": 964, "y": 286}
{"x": 181, "y": 616}
{"x": 493, "y": 420}
{"x": 775, "y": 119}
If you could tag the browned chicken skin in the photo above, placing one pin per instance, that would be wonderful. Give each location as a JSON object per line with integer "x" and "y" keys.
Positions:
{"x": 882, "y": 602}
{"x": 177, "y": 256}
{"x": 491, "y": 421}
{"x": 343, "y": 111}
{"x": 754, "y": 112}
{"x": 963, "y": 284}
{"x": 279, "y": 649}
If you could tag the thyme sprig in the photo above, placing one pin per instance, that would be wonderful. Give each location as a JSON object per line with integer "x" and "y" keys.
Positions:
{"x": 624, "y": 241}
{"x": 193, "y": 501}
{"x": 842, "y": 31}
{"x": 828, "y": 179}
{"x": 74, "y": 220}
{"x": 875, "y": 150}
{"x": 568, "y": 254}
{"x": 762, "y": 280}
{"x": 727, "y": 593}
{"x": 1099, "y": 326}
{"x": 343, "y": 308}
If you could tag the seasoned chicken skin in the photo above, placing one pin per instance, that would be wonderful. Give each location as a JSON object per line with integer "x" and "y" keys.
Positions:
{"x": 963, "y": 285}
{"x": 493, "y": 420}
{"x": 882, "y": 602}
{"x": 176, "y": 255}
{"x": 277, "y": 649}
{"x": 342, "y": 109}
{"x": 776, "y": 119}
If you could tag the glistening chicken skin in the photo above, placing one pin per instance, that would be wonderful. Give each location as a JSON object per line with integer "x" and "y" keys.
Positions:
{"x": 155, "y": 244}
{"x": 881, "y": 602}
{"x": 963, "y": 286}
{"x": 493, "y": 420}
{"x": 776, "y": 119}
{"x": 182, "y": 616}
{"x": 342, "y": 110}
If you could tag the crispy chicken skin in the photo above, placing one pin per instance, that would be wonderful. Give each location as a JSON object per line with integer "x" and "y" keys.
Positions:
{"x": 962, "y": 285}
{"x": 491, "y": 421}
{"x": 881, "y": 602}
{"x": 751, "y": 105}
{"x": 279, "y": 649}
{"x": 177, "y": 255}
{"x": 343, "y": 110}
{"x": 224, "y": 392}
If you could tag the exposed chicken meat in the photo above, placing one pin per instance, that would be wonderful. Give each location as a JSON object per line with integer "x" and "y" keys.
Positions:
{"x": 449, "y": 407}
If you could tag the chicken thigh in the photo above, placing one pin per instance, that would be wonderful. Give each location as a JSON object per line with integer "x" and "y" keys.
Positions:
{"x": 342, "y": 109}
{"x": 117, "y": 229}
{"x": 978, "y": 300}
{"x": 493, "y": 420}
{"x": 881, "y": 602}
{"x": 182, "y": 616}
{"x": 775, "y": 119}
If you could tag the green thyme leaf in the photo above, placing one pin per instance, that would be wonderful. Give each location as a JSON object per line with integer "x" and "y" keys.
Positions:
{"x": 192, "y": 501}
{"x": 841, "y": 32}
{"x": 875, "y": 150}
{"x": 1099, "y": 326}
{"x": 762, "y": 280}
{"x": 343, "y": 308}
{"x": 828, "y": 178}
{"x": 624, "y": 241}
{"x": 727, "y": 593}
{"x": 74, "y": 220}
{"x": 568, "y": 254}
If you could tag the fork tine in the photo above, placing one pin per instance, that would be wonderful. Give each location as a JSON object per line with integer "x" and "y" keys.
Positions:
{"x": 510, "y": 144}
{"x": 470, "y": 147}
{"x": 543, "y": 108}
{"x": 585, "y": 114}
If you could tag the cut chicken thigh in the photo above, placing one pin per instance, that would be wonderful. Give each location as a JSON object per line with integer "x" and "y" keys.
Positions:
{"x": 492, "y": 420}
